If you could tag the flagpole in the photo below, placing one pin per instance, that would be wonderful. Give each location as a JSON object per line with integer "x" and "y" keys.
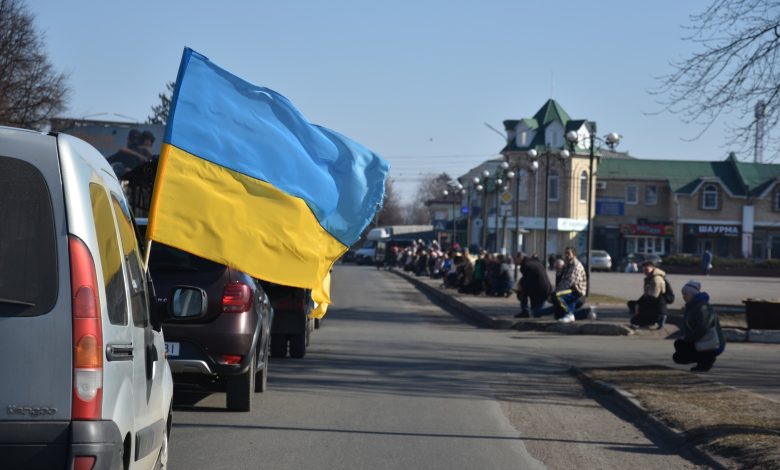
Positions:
{"x": 146, "y": 255}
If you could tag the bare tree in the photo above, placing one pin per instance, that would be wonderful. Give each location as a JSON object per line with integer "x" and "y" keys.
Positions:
{"x": 391, "y": 212}
{"x": 431, "y": 188}
{"x": 31, "y": 91}
{"x": 736, "y": 68}
{"x": 160, "y": 111}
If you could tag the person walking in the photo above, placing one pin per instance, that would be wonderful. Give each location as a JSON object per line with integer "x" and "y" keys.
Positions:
{"x": 572, "y": 286}
{"x": 533, "y": 286}
{"x": 702, "y": 338}
{"x": 706, "y": 262}
{"x": 650, "y": 308}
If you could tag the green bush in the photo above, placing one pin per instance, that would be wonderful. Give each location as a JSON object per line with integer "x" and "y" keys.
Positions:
{"x": 682, "y": 260}
{"x": 687, "y": 260}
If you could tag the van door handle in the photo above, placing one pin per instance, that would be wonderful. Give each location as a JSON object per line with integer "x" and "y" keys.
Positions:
{"x": 119, "y": 352}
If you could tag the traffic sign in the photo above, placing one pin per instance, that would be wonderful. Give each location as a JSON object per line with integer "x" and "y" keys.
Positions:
{"x": 506, "y": 197}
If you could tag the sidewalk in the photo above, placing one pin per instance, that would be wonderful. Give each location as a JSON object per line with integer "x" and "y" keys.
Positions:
{"x": 612, "y": 319}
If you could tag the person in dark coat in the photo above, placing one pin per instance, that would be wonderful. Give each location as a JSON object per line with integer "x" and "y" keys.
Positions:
{"x": 650, "y": 308}
{"x": 702, "y": 338}
{"x": 533, "y": 286}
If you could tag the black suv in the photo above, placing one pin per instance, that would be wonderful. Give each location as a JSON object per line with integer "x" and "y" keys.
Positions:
{"x": 225, "y": 344}
{"x": 292, "y": 325}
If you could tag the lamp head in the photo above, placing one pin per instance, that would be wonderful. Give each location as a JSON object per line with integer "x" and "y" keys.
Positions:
{"x": 486, "y": 173}
{"x": 613, "y": 138}
{"x": 572, "y": 137}
{"x": 504, "y": 165}
{"x": 445, "y": 193}
{"x": 499, "y": 181}
{"x": 533, "y": 153}
{"x": 510, "y": 174}
{"x": 476, "y": 180}
{"x": 535, "y": 165}
{"x": 480, "y": 187}
{"x": 564, "y": 153}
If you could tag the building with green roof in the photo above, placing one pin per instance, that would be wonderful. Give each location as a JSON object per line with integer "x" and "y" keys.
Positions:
{"x": 729, "y": 207}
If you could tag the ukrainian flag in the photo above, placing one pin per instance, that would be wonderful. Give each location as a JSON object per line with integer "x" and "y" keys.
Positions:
{"x": 245, "y": 180}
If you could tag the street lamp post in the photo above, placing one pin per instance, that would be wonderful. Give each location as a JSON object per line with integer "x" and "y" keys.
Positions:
{"x": 563, "y": 154}
{"x": 510, "y": 175}
{"x": 476, "y": 187}
{"x": 455, "y": 194}
{"x": 611, "y": 139}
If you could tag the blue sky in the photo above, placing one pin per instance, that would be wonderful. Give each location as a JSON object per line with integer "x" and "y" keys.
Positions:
{"x": 415, "y": 81}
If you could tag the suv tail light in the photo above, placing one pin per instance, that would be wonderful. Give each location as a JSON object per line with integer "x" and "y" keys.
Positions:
{"x": 236, "y": 298}
{"x": 87, "y": 334}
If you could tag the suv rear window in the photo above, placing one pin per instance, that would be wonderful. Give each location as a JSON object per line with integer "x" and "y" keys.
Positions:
{"x": 167, "y": 257}
{"x": 28, "y": 250}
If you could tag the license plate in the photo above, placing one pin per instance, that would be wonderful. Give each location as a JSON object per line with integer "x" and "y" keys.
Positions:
{"x": 171, "y": 349}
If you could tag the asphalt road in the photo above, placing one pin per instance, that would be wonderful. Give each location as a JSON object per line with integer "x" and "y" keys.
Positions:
{"x": 393, "y": 382}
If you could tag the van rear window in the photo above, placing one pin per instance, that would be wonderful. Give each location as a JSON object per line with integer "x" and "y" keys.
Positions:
{"x": 28, "y": 250}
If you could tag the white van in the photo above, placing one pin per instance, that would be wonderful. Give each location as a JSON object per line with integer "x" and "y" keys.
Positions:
{"x": 85, "y": 383}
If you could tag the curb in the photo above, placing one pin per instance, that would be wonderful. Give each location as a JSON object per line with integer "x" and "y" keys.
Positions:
{"x": 453, "y": 304}
{"x": 596, "y": 328}
{"x": 629, "y": 404}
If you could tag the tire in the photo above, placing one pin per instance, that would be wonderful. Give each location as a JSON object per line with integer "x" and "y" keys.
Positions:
{"x": 241, "y": 389}
{"x": 261, "y": 377}
{"x": 297, "y": 346}
{"x": 162, "y": 457}
{"x": 278, "y": 345}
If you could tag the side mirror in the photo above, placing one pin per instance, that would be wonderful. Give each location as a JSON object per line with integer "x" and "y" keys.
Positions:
{"x": 187, "y": 303}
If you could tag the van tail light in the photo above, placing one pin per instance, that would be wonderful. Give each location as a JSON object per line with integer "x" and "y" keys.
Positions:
{"x": 84, "y": 462}
{"x": 236, "y": 298}
{"x": 87, "y": 334}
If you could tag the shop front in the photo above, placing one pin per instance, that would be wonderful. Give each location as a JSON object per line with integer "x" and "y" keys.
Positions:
{"x": 647, "y": 238}
{"x": 724, "y": 240}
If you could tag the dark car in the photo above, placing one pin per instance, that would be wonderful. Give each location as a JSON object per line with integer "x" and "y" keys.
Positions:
{"x": 224, "y": 345}
{"x": 292, "y": 325}
{"x": 638, "y": 258}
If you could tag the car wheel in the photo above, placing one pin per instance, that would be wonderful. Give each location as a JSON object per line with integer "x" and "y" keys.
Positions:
{"x": 297, "y": 346}
{"x": 261, "y": 378}
{"x": 241, "y": 388}
{"x": 278, "y": 345}
{"x": 162, "y": 458}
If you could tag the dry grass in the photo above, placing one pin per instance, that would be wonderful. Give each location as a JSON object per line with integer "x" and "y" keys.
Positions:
{"x": 734, "y": 424}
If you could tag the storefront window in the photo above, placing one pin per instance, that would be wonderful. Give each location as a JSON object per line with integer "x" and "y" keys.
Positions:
{"x": 655, "y": 245}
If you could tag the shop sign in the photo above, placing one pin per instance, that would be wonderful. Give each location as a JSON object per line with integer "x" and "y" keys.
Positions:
{"x": 610, "y": 206}
{"x": 658, "y": 230}
{"x": 708, "y": 230}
